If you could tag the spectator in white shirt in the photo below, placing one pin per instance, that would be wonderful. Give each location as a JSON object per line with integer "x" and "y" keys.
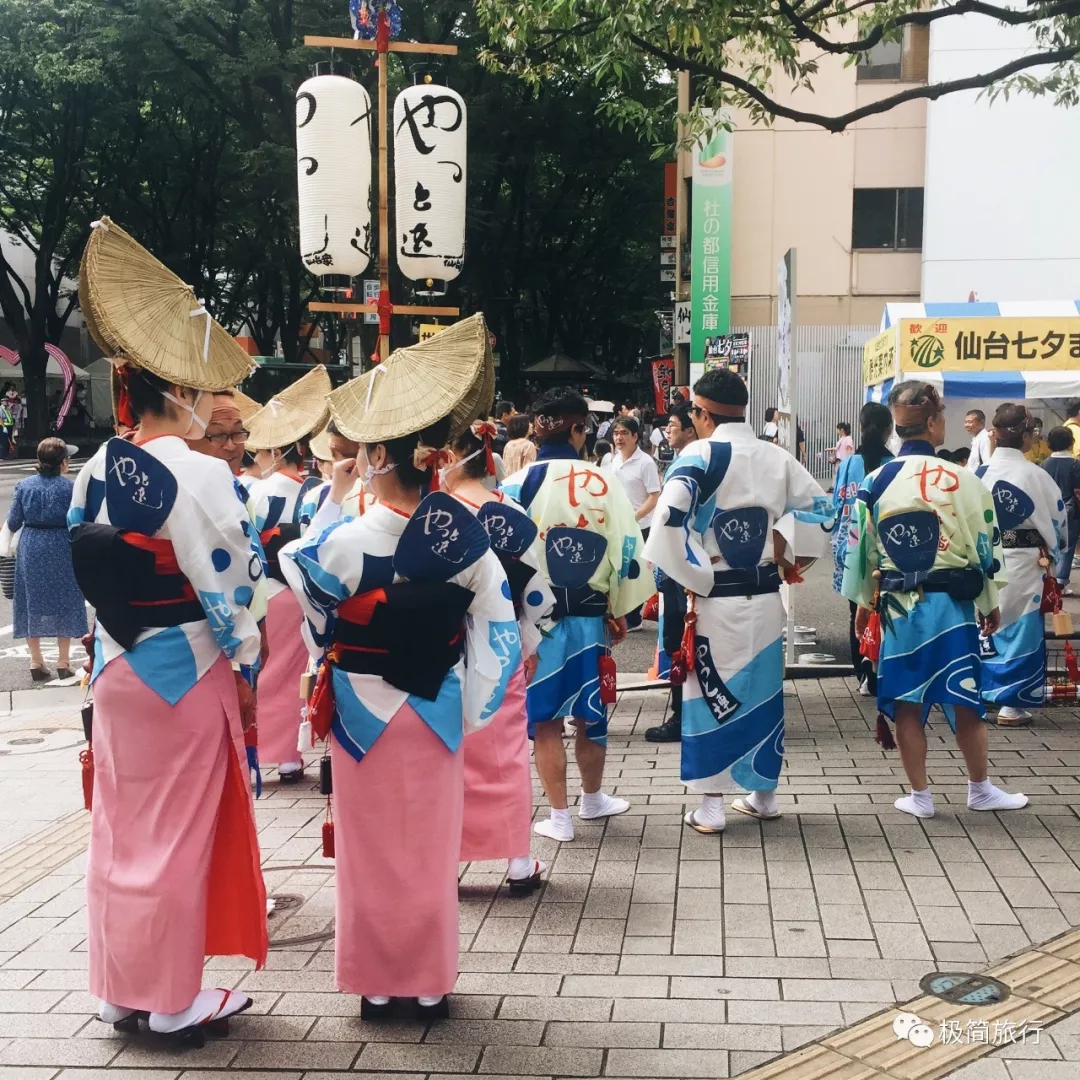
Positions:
{"x": 640, "y": 479}
{"x": 975, "y": 425}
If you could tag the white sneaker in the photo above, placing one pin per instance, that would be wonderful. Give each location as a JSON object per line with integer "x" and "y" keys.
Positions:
{"x": 553, "y": 831}
{"x": 864, "y": 688}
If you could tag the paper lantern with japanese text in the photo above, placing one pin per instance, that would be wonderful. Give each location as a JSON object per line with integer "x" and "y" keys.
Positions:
{"x": 429, "y": 182}
{"x": 333, "y": 167}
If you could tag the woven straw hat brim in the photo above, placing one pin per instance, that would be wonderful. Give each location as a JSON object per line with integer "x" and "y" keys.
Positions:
{"x": 417, "y": 386}
{"x": 293, "y": 413}
{"x": 139, "y": 311}
{"x": 319, "y": 445}
{"x": 247, "y": 406}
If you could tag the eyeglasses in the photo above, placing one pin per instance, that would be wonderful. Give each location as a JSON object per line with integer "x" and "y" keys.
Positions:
{"x": 222, "y": 437}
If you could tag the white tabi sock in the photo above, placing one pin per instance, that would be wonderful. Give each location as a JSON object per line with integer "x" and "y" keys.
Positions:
{"x": 377, "y": 999}
{"x": 523, "y": 867}
{"x": 711, "y": 812}
{"x": 217, "y": 1004}
{"x": 113, "y": 1014}
{"x": 558, "y": 827}
{"x": 427, "y": 1002}
{"x": 764, "y": 802}
{"x": 291, "y": 767}
{"x": 919, "y": 804}
{"x": 597, "y": 804}
{"x": 985, "y": 796}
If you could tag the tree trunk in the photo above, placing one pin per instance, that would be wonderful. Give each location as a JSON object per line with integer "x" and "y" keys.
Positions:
{"x": 34, "y": 360}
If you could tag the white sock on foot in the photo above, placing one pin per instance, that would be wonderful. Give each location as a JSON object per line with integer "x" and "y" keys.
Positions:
{"x": 597, "y": 804}
{"x": 764, "y": 802}
{"x": 522, "y": 867}
{"x": 985, "y": 796}
{"x": 377, "y": 999}
{"x": 112, "y": 1014}
{"x": 215, "y": 1004}
{"x": 291, "y": 767}
{"x": 427, "y": 1002}
{"x": 919, "y": 804}
{"x": 557, "y": 827}
{"x": 711, "y": 812}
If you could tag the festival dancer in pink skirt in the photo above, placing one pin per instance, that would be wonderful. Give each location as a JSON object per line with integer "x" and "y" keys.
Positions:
{"x": 164, "y": 550}
{"x": 498, "y": 782}
{"x": 408, "y": 609}
{"x": 277, "y": 433}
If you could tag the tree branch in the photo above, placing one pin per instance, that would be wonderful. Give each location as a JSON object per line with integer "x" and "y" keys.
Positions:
{"x": 838, "y": 123}
{"x": 802, "y": 31}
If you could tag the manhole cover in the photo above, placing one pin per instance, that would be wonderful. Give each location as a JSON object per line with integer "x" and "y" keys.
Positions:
{"x": 286, "y": 901}
{"x": 24, "y": 742}
{"x": 962, "y": 988}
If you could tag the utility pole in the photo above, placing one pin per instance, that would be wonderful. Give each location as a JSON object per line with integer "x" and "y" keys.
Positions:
{"x": 383, "y": 307}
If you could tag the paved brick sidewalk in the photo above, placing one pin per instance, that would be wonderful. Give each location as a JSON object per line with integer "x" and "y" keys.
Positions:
{"x": 652, "y": 952}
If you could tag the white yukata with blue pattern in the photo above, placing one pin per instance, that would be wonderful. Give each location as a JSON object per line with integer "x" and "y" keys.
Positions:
{"x": 1014, "y": 658}
{"x": 722, "y": 499}
{"x": 356, "y": 556}
{"x": 216, "y": 549}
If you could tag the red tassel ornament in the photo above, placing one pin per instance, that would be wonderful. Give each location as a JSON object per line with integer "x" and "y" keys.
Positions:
{"x": 86, "y": 759}
{"x": 1071, "y": 665}
{"x": 328, "y": 837}
{"x": 884, "y": 736}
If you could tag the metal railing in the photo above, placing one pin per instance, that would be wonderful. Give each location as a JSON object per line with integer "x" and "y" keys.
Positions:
{"x": 829, "y": 383}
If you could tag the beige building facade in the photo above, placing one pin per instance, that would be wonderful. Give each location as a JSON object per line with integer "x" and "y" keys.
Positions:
{"x": 831, "y": 196}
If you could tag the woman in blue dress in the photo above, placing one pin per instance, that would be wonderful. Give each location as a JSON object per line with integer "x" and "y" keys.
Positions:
{"x": 875, "y": 427}
{"x": 48, "y": 602}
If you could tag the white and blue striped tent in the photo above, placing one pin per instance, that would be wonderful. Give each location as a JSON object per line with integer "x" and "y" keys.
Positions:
{"x": 1031, "y": 385}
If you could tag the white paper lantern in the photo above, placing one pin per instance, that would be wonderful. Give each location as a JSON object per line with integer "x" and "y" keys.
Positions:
{"x": 429, "y": 182}
{"x": 333, "y": 168}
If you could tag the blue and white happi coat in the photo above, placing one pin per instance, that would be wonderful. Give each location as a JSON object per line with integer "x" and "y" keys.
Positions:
{"x": 722, "y": 500}
{"x": 590, "y": 540}
{"x": 166, "y": 490}
{"x": 1014, "y": 658}
{"x": 915, "y": 515}
{"x": 276, "y": 501}
{"x": 356, "y": 556}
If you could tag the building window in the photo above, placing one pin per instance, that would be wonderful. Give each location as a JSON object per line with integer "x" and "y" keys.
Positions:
{"x": 907, "y": 60}
{"x": 887, "y": 219}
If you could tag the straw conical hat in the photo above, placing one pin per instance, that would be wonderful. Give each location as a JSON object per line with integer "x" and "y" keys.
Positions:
{"x": 292, "y": 413}
{"x": 418, "y": 386}
{"x": 247, "y": 406}
{"x": 319, "y": 445}
{"x": 139, "y": 312}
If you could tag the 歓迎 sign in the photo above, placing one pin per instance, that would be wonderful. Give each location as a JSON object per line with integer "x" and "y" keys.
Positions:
{"x": 989, "y": 344}
{"x": 710, "y": 246}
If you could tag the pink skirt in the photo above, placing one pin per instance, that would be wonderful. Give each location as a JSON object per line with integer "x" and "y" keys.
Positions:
{"x": 498, "y": 785}
{"x": 279, "y": 681}
{"x": 397, "y": 834}
{"x": 173, "y": 868}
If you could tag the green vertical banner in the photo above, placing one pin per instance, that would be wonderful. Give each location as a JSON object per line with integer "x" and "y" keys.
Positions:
{"x": 710, "y": 242}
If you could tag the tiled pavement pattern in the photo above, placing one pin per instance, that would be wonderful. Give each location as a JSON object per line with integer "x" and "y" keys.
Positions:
{"x": 652, "y": 952}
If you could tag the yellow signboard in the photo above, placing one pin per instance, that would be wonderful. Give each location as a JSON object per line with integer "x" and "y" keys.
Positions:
{"x": 879, "y": 358}
{"x": 429, "y": 330}
{"x": 1000, "y": 343}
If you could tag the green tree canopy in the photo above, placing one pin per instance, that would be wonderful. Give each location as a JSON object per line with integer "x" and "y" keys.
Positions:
{"x": 737, "y": 50}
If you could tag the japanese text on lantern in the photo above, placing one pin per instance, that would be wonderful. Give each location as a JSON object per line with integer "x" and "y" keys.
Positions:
{"x": 429, "y": 186}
